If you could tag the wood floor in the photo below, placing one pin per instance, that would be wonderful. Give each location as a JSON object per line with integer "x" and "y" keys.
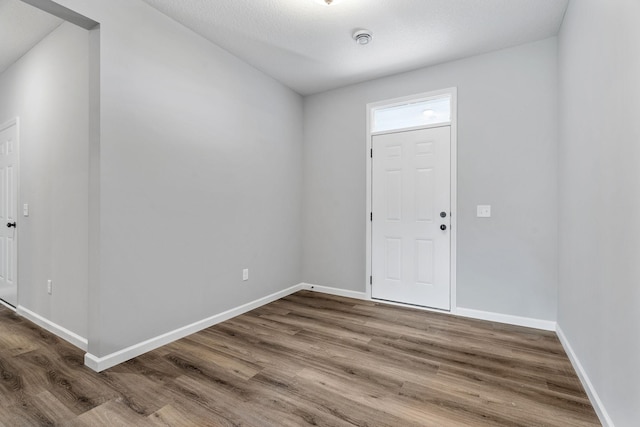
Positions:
{"x": 308, "y": 359}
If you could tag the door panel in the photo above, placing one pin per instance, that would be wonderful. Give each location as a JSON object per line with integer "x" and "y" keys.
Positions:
{"x": 393, "y": 259}
{"x": 394, "y": 190}
{"x": 424, "y": 251}
{"x": 410, "y": 187}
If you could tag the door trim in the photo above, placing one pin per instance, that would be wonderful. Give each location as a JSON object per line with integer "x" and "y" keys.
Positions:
{"x": 453, "y": 92}
{"x": 16, "y": 122}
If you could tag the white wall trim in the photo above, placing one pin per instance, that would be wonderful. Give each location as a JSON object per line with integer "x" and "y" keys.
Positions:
{"x": 529, "y": 322}
{"x": 546, "y": 325}
{"x": 6, "y": 304}
{"x": 335, "y": 291}
{"x": 101, "y": 363}
{"x": 366, "y": 297}
{"x": 54, "y": 328}
{"x": 584, "y": 379}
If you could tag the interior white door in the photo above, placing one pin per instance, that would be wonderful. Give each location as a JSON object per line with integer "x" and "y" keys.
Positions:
{"x": 8, "y": 214}
{"x": 411, "y": 198}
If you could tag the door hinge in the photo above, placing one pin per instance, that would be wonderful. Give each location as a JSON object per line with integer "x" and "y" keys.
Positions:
{"x": 371, "y": 216}
{"x": 371, "y": 280}
{"x": 371, "y": 153}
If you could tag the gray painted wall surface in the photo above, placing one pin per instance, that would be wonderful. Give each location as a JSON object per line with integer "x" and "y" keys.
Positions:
{"x": 507, "y": 157}
{"x": 48, "y": 89}
{"x": 599, "y": 291}
{"x": 200, "y": 166}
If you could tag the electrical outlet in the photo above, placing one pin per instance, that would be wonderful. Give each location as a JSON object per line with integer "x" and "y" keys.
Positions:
{"x": 245, "y": 274}
{"x": 49, "y": 287}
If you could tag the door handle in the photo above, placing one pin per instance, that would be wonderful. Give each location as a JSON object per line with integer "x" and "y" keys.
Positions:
{"x": 11, "y": 224}
{"x": 443, "y": 227}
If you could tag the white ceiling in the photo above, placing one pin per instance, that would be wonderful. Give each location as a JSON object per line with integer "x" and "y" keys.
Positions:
{"x": 21, "y": 27}
{"x": 307, "y": 45}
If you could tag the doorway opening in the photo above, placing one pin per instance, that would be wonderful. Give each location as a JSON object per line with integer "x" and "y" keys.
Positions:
{"x": 9, "y": 176}
{"x": 411, "y": 200}
{"x": 52, "y": 84}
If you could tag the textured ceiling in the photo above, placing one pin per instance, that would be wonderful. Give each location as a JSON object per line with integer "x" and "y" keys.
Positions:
{"x": 307, "y": 45}
{"x": 21, "y": 27}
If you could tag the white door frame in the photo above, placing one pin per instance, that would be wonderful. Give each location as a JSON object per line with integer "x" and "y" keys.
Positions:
{"x": 16, "y": 121}
{"x": 454, "y": 182}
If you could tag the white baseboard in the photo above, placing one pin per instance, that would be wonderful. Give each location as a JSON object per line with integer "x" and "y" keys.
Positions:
{"x": 335, "y": 291}
{"x": 7, "y": 305}
{"x": 546, "y": 325}
{"x": 584, "y": 379}
{"x": 101, "y": 363}
{"x": 56, "y": 329}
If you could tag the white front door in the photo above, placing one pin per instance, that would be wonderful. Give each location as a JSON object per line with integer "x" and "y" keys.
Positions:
{"x": 411, "y": 208}
{"x": 8, "y": 213}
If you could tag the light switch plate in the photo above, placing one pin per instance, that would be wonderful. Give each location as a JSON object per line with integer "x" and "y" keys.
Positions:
{"x": 484, "y": 211}
{"x": 25, "y": 209}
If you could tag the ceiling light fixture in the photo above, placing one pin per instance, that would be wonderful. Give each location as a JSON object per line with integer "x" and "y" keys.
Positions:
{"x": 363, "y": 37}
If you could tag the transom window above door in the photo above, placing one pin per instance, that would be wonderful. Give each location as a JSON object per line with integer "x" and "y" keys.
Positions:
{"x": 425, "y": 112}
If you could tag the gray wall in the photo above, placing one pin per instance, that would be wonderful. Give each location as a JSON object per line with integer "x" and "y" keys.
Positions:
{"x": 507, "y": 157}
{"x": 599, "y": 291}
{"x": 200, "y": 166}
{"x": 48, "y": 89}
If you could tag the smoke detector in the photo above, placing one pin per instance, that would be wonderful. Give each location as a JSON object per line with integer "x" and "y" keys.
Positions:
{"x": 327, "y": 2}
{"x": 363, "y": 37}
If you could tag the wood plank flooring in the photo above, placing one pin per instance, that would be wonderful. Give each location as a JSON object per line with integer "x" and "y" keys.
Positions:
{"x": 307, "y": 359}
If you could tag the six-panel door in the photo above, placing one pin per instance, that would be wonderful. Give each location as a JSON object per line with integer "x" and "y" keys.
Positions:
{"x": 8, "y": 214}
{"x": 411, "y": 199}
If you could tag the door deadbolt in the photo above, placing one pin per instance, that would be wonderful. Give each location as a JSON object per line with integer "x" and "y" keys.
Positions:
{"x": 443, "y": 214}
